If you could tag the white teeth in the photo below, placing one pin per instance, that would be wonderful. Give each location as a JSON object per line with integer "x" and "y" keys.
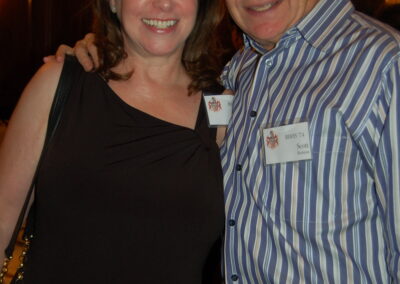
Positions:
{"x": 264, "y": 7}
{"x": 159, "y": 24}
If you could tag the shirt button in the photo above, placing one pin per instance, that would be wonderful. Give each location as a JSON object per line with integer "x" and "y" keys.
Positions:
{"x": 269, "y": 63}
{"x": 238, "y": 168}
{"x": 253, "y": 113}
{"x": 232, "y": 223}
{"x": 234, "y": 277}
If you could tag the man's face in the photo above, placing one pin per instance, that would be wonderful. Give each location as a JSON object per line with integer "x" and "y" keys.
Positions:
{"x": 267, "y": 20}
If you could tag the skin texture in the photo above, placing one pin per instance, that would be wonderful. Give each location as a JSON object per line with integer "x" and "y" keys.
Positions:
{"x": 267, "y": 26}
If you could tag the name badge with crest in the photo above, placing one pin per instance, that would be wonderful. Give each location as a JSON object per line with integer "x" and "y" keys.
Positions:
{"x": 288, "y": 143}
{"x": 219, "y": 109}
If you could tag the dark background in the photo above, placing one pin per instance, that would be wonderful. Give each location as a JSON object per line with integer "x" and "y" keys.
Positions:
{"x": 31, "y": 29}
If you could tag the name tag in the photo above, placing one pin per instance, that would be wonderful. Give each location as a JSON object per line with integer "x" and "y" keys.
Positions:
{"x": 287, "y": 143}
{"x": 219, "y": 109}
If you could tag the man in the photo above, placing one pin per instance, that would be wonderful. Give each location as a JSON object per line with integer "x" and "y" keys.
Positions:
{"x": 311, "y": 157}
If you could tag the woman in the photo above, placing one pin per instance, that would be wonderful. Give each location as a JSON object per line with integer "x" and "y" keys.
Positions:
{"x": 130, "y": 190}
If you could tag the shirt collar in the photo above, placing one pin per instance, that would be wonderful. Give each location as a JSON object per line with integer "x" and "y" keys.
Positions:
{"x": 319, "y": 27}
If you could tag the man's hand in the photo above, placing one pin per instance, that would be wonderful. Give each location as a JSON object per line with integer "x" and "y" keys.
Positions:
{"x": 84, "y": 50}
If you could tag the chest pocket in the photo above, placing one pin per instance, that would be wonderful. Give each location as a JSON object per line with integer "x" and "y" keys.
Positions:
{"x": 330, "y": 191}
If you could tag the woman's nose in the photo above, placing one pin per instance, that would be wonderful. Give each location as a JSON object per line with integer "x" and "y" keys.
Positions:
{"x": 164, "y": 4}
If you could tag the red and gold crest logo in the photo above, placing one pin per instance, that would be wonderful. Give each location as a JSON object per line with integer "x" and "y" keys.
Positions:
{"x": 272, "y": 140}
{"x": 214, "y": 105}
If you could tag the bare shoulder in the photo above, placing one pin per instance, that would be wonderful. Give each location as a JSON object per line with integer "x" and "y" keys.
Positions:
{"x": 29, "y": 119}
{"x": 33, "y": 107}
{"x": 39, "y": 92}
{"x": 45, "y": 80}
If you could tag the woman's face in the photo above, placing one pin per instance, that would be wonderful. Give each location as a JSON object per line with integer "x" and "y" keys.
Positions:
{"x": 154, "y": 28}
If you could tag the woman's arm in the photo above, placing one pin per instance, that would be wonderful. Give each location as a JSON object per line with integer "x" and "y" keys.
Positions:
{"x": 22, "y": 145}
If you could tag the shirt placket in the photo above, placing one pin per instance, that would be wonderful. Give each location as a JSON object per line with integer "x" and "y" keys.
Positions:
{"x": 243, "y": 163}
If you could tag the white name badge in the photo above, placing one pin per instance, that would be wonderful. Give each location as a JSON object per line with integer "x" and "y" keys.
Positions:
{"x": 219, "y": 109}
{"x": 287, "y": 143}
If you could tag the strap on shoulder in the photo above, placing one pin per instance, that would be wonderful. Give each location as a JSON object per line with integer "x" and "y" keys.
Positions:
{"x": 63, "y": 89}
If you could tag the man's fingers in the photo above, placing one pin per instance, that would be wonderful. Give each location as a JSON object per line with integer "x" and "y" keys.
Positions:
{"x": 60, "y": 54}
{"x": 62, "y": 51}
{"x": 93, "y": 54}
{"x": 84, "y": 50}
{"x": 89, "y": 37}
{"x": 49, "y": 58}
{"x": 92, "y": 49}
{"x": 81, "y": 53}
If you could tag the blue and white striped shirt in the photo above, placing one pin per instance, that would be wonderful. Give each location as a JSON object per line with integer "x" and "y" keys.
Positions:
{"x": 334, "y": 218}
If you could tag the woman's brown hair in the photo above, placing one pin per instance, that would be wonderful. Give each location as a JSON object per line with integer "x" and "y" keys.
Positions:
{"x": 202, "y": 52}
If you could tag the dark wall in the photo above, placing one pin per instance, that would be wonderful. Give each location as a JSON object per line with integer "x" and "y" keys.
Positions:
{"x": 30, "y": 31}
{"x": 369, "y": 7}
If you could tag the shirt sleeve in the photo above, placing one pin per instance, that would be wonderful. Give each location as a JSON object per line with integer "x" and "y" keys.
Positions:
{"x": 387, "y": 169}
